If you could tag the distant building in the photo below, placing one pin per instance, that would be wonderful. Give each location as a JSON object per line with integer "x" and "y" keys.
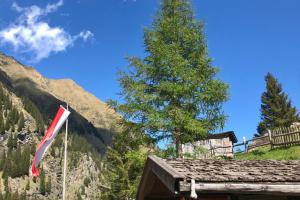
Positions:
{"x": 220, "y": 144}
{"x": 295, "y": 124}
{"x": 187, "y": 179}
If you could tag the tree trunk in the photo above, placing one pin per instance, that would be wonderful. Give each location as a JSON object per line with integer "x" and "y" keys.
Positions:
{"x": 178, "y": 149}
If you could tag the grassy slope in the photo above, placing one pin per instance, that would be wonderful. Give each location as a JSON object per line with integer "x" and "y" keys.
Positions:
{"x": 290, "y": 153}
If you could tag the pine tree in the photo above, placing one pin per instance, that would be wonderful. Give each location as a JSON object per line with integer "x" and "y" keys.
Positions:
{"x": 42, "y": 183}
{"x": 25, "y": 160}
{"x": 10, "y": 142}
{"x": 172, "y": 93}
{"x": 2, "y": 130}
{"x": 7, "y": 167}
{"x": 21, "y": 123}
{"x": 17, "y": 163}
{"x": 7, "y": 125}
{"x": 125, "y": 161}
{"x": 14, "y": 141}
{"x": 276, "y": 108}
{"x": 6, "y": 187}
{"x": 2, "y": 161}
{"x": 48, "y": 185}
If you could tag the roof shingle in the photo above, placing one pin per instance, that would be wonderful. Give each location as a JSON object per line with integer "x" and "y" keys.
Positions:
{"x": 251, "y": 171}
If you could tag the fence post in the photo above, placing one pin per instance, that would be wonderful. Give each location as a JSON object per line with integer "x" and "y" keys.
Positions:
{"x": 245, "y": 144}
{"x": 270, "y": 137}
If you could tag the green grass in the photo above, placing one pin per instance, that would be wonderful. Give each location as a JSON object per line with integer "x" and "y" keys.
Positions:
{"x": 263, "y": 153}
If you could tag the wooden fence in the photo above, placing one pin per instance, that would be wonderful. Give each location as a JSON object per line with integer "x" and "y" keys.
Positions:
{"x": 285, "y": 136}
{"x": 279, "y": 137}
{"x": 226, "y": 151}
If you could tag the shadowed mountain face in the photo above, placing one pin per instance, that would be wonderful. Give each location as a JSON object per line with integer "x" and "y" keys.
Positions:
{"x": 90, "y": 117}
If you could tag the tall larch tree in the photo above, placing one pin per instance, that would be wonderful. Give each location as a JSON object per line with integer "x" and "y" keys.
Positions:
{"x": 276, "y": 108}
{"x": 172, "y": 93}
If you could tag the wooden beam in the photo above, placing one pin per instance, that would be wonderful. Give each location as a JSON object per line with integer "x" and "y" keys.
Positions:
{"x": 158, "y": 167}
{"x": 167, "y": 175}
{"x": 291, "y": 189}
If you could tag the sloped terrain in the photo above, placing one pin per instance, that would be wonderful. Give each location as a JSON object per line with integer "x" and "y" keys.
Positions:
{"x": 28, "y": 103}
{"x": 263, "y": 153}
{"x": 27, "y": 81}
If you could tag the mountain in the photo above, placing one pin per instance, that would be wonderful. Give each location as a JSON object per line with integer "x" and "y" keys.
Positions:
{"x": 28, "y": 103}
{"x": 26, "y": 81}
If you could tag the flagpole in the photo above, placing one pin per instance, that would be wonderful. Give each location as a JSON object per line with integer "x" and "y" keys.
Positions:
{"x": 65, "y": 158}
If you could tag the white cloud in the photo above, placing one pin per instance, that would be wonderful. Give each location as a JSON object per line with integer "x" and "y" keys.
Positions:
{"x": 85, "y": 35}
{"x": 31, "y": 35}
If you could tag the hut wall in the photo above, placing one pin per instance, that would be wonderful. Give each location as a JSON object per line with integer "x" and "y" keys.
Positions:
{"x": 214, "y": 147}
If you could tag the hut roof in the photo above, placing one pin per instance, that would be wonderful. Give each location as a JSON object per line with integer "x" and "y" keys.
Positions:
{"x": 235, "y": 170}
{"x": 229, "y": 134}
{"x": 176, "y": 176}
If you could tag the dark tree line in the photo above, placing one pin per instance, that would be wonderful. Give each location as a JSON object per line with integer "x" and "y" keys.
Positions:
{"x": 9, "y": 115}
{"x": 15, "y": 162}
{"x": 35, "y": 113}
{"x": 8, "y": 195}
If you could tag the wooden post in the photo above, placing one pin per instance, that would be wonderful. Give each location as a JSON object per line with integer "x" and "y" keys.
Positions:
{"x": 245, "y": 144}
{"x": 270, "y": 137}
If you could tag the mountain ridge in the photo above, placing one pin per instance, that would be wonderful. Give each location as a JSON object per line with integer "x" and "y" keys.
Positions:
{"x": 29, "y": 102}
{"x": 67, "y": 90}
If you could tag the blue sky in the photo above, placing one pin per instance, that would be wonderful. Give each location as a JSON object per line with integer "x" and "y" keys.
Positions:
{"x": 87, "y": 41}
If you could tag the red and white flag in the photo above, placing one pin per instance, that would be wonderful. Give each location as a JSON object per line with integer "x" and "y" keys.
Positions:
{"x": 60, "y": 118}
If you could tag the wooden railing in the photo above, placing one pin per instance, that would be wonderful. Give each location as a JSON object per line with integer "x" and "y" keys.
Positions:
{"x": 285, "y": 136}
{"x": 278, "y": 137}
{"x": 221, "y": 151}
{"x": 258, "y": 142}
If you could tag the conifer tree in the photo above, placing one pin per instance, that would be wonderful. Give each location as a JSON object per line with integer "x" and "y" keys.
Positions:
{"x": 42, "y": 183}
{"x": 7, "y": 125}
{"x": 25, "y": 160}
{"x": 172, "y": 93}
{"x": 2, "y": 161}
{"x": 14, "y": 141}
{"x": 21, "y": 123}
{"x": 10, "y": 142}
{"x": 2, "y": 130}
{"x": 48, "y": 185}
{"x": 6, "y": 187}
{"x": 276, "y": 108}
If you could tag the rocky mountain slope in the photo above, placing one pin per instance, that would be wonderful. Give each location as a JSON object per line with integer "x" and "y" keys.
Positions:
{"x": 28, "y": 94}
{"x": 26, "y": 81}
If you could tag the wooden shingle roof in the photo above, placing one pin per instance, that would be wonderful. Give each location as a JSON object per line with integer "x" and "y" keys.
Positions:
{"x": 236, "y": 170}
{"x": 171, "y": 177}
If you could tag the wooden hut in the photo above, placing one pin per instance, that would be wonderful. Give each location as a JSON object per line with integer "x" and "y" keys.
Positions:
{"x": 218, "y": 144}
{"x": 181, "y": 179}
